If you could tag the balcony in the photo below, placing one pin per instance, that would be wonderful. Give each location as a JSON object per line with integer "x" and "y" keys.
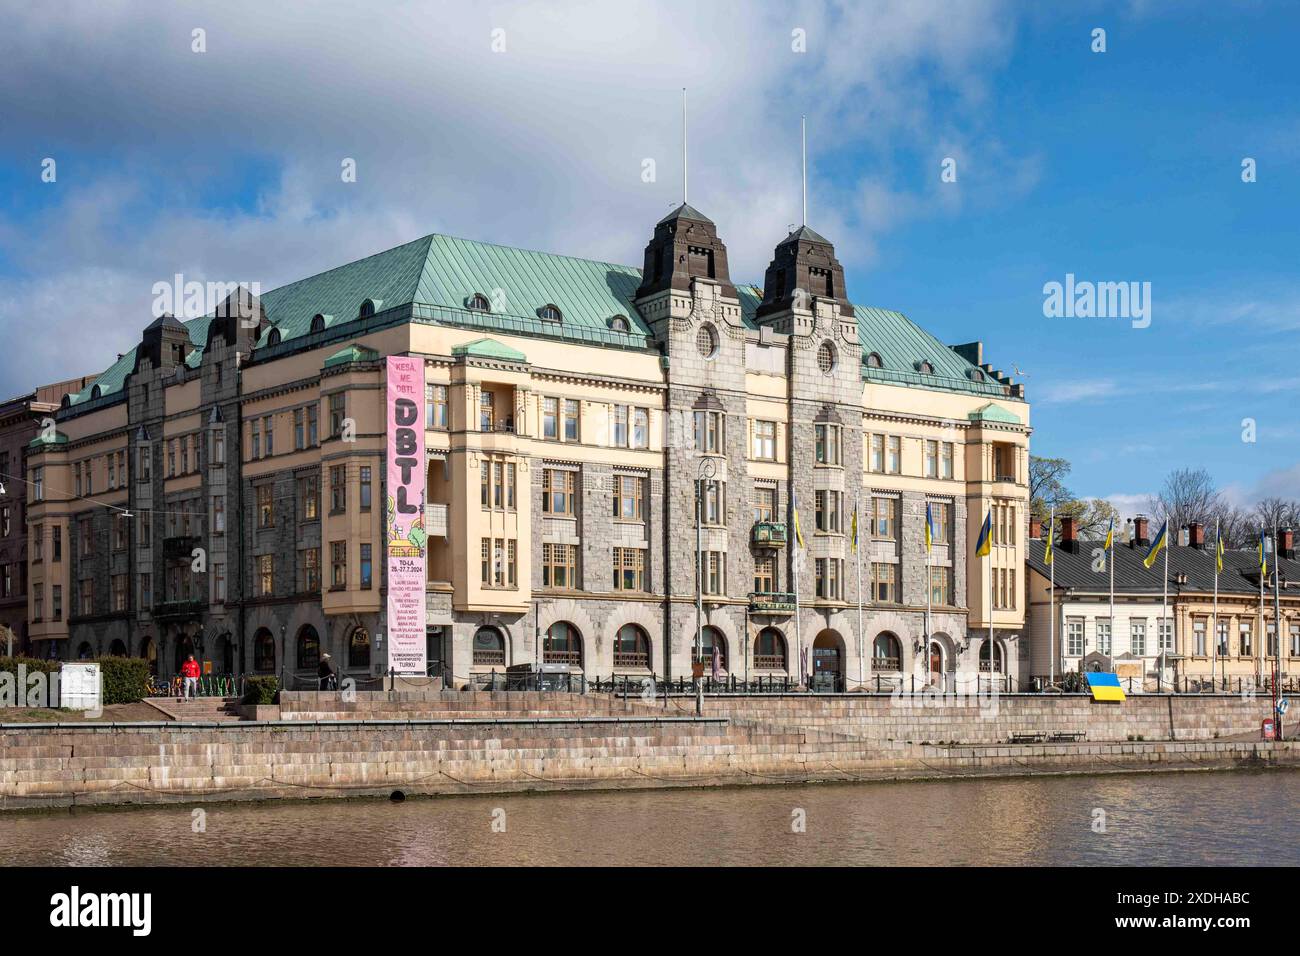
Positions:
{"x": 771, "y": 602}
{"x": 179, "y": 547}
{"x": 886, "y": 664}
{"x": 768, "y": 534}
{"x": 435, "y": 520}
{"x": 178, "y": 610}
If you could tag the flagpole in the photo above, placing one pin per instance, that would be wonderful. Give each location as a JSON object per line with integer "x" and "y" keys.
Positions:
{"x": 1263, "y": 572}
{"x": 798, "y": 567}
{"x": 857, "y": 546}
{"x": 1164, "y": 604}
{"x": 1214, "y": 637}
{"x": 1277, "y": 626}
{"x": 1051, "y": 605}
{"x": 929, "y": 588}
{"x": 1110, "y": 559}
{"x": 992, "y": 649}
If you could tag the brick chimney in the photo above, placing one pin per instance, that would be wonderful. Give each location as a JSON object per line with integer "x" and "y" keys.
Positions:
{"x": 1196, "y": 535}
{"x": 1286, "y": 544}
{"x": 1069, "y": 534}
{"x": 1035, "y": 528}
{"x": 1141, "y": 532}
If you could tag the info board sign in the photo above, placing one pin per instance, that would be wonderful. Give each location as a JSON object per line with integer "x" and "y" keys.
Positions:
{"x": 404, "y": 516}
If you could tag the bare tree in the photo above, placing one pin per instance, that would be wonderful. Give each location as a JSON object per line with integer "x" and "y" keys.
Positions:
{"x": 1236, "y": 526}
{"x": 1187, "y": 495}
{"x": 1273, "y": 513}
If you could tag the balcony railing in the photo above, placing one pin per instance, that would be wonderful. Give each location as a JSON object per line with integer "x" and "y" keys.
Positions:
{"x": 769, "y": 662}
{"x": 768, "y": 534}
{"x": 886, "y": 664}
{"x": 631, "y": 659}
{"x": 435, "y": 520}
{"x": 171, "y": 610}
{"x": 771, "y": 602}
{"x": 572, "y": 658}
{"x": 489, "y": 658}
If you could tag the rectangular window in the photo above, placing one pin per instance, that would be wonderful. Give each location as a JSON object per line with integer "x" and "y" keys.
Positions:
{"x": 486, "y": 411}
{"x": 1166, "y": 634}
{"x": 218, "y": 447}
{"x": 1198, "y": 635}
{"x": 255, "y": 446}
{"x": 830, "y": 578}
{"x": 38, "y": 602}
{"x": 268, "y": 426}
{"x": 551, "y": 419}
{"x": 366, "y": 564}
{"x": 629, "y": 569}
{"x": 121, "y": 583}
{"x": 120, "y": 529}
{"x": 1270, "y": 632}
{"x": 571, "y": 414}
{"x": 338, "y": 413}
{"x": 764, "y": 441}
{"x": 338, "y": 490}
{"x": 112, "y": 472}
{"x": 56, "y": 602}
{"x": 266, "y": 506}
{"x": 266, "y": 575}
{"x": 38, "y": 484}
{"x": 945, "y": 460}
{"x": 218, "y": 582}
{"x": 365, "y": 487}
{"x": 5, "y": 523}
{"x": 145, "y": 456}
{"x": 1295, "y": 640}
{"x": 313, "y": 425}
{"x": 764, "y": 504}
{"x": 512, "y": 556}
{"x": 1244, "y": 642}
{"x": 557, "y": 492}
{"x": 146, "y": 530}
{"x": 826, "y": 441}
{"x": 38, "y": 542}
{"x": 1223, "y": 639}
{"x": 1137, "y": 637}
{"x": 894, "y": 462}
{"x": 620, "y": 426}
{"x": 931, "y": 459}
{"x": 884, "y": 583}
{"x": 308, "y": 570}
{"x": 629, "y": 497}
{"x": 640, "y": 428}
{"x": 1103, "y": 635}
{"x": 941, "y": 586}
{"x": 1074, "y": 637}
{"x": 708, "y": 432}
{"x": 713, "y": 568}
{"x": 87, "y": 597}
{"x": 435, "y": 406}
{"x": 486, "y": 559}
{"x": 299, "y": 429}
{"x": 87, "y": 538}
{"x": 764, "y": 575}
{"x": 7, "y": 581}
{"x": 185, "y": 453}
{"x": 715, "y": 503}
{"x": 876, "y": 459}
{"x": 941, "y": 518}
{"x": 218, "y": 514}
{"x": 309, "y": 498}
{"x": 560, "y": 566}
{"x": 884, "y": 521}
{"x": 498, "y": 485}
{"x": 829, "y": 505}
{"x": 171, "y": 454}
{"x": 338, "y": 565}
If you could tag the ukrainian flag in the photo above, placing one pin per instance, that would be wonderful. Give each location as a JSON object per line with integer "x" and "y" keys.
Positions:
{"x": 1263, "y": 558}
{"x": 1110, "y": 535}
{"x": 798, "y": 533}
{"x": 1105, "y": 686}
{"x": 1162, "y": 539}
{"x": 1047, "y": 552}
{"x": 986, "y": 535}
{"x": 1218, "y": 554}
{"x": 929, "y": 527}
{"x": 854, "y": 530}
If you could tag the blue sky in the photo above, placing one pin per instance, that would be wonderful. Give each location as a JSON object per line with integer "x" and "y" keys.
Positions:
{"x": 1115, "y": 166}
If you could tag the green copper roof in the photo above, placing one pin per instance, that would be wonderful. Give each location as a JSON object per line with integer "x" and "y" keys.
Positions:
{"x": 489, "y": 349}
{"x": 353, "y": 353}
{"x": 57, "y": 439}
{"x": 994, "y": 413}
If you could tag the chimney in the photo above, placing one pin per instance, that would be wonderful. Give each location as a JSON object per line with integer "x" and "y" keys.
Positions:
{"x": 1068, "y": 534}
{"x": 1286, "y": 544}
{"x": 1141, "y": 534}
{"x": 1035, "y": 528}
{"x": 1196, "y": 535}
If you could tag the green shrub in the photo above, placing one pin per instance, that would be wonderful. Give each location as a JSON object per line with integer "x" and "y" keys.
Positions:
{"x": 261, "y": 690}
{"x": 125, "y": 679}
{"x": 10, "y": 665}
{"x": 1072, "y": 682}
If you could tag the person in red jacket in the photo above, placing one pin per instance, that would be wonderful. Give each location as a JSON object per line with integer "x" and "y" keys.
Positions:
{"x": 190, "y": 671}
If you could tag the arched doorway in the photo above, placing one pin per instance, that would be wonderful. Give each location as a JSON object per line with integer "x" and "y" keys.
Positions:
{"x": 939, "y": 662}
{"x": 84, "y": 651}
{"x": 226, "y": 654}
{"x": 184, "y": 648}
{"x": 631, "y": 647}
{"x": 828, "y": 662}
{"x": 117, "y": 649}
{"x": 886, "y": 653}
{"x": 711, "y": 640}
{"x": 489, "y": 647}
{"x": 149, "y": 651}
{"x": 769, "y": 650}
{"x": 308, "y": 648}
{"x": 263, "y": 652}
{"x": 997, "y": 666}
{"x": 563, "y": 645}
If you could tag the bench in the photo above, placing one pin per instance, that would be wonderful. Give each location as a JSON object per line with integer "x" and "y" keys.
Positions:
{"x": 1067, "y": 737}
{"x": 1027, "y": 738}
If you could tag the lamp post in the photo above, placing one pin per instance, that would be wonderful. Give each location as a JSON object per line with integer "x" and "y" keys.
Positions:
{"x": 704, "y": 472}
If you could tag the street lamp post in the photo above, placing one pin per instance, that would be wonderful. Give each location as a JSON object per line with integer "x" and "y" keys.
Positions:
{"x": 705, "y": 472}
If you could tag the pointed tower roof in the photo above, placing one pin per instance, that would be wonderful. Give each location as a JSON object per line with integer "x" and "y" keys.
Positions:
{"x": 685, "y": 245}
{"x": 804, "y": 261}
{"x": 686, "y": 211}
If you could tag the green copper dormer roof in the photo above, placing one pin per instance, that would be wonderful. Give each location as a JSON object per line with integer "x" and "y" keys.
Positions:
{"x": 489, "y": 349}
{"x": 353, "y": 353}
{"x": 994, "y": 413}
{"x": 41, "y": 441}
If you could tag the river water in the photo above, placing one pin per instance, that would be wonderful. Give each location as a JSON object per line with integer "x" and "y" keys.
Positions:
{"x": 1208, "y": 818}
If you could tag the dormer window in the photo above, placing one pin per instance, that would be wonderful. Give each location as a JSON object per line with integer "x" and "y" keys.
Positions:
{"x": 874, "y": 360}
{"x": 976, "y": 375}
{"x": 478, "y": 302}
{"x": 370, "y": 307}
{"x": 318, "y": 322}
{"x": 273, "y": 338}
{"x": 550, "y": 313}
{"x": 924, "y": 367}
{"x": 96, "y": 392}
{"x": 619, "y": 323}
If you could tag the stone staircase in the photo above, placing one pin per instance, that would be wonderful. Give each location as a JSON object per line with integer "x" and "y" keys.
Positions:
{"x": 204, "y": 709}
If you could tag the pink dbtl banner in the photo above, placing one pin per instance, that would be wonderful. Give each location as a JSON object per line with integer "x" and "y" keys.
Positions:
{"x": 404, "y": 516}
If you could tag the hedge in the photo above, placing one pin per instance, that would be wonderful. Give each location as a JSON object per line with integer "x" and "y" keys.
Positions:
{"x": 125, "y": 679}
{"x": 10, "y": 665}
{"x": 261, "y": 690}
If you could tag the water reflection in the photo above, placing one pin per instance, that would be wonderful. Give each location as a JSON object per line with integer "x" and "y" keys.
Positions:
{"x": 1171, "y": 819}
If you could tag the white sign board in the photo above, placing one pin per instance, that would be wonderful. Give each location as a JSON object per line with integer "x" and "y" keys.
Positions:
{"x": 79, "y": 686}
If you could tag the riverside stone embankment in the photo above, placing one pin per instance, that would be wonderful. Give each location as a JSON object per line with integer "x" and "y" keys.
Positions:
{"x": 488, "y": 742}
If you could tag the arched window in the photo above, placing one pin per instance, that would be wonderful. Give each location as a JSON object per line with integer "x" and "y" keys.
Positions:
{"x": 874, "y": 360}
{"x": 924, "y": 367}
{"x": 95, "y": 392}
{"x": 711, "y": 637}
{"x": 976, "y": 375}
{"x": 619, "y": 323}
{"x": 550, "y": 313}
{"x": 369, "y": 307}
{"x": 359, "y": 648}
{"x": 478, "y": 302}
{"x": 563, "y": 645}
{"x": 318, "y": 322}
{"x": 984, "y": 656}
{"x": 631, "y": 647}
{"x": 769, "y": 650}
{"x": 273, "y": 338}
{"x": 886, "y": 653}
{"x": 118, "y": 649}
{"x": 308, "y": 647}
{"x": 85, "y": 652}
{"x": 489, "y": 647}
{"x": 263, "y": 652}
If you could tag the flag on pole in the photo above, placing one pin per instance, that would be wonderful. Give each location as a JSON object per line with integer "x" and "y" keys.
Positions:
{"x": 1263, "y": 557}
{"x": 798, "y": 533}
{"x": 929, "y": 527}
{"x": 1162, "y": 539}
{"x": 1047, "y": 551}
{"x": 854, "y": 530}
{"x": 1218, "y": 554}
{"x": 982, "y": 546}
{"x": 1110, "y": 535}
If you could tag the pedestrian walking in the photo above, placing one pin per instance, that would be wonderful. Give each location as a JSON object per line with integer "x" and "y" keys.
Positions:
{"x": 190, "y": 671}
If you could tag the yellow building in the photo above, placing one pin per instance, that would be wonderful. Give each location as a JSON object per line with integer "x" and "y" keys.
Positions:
{"x": 219, "y": 489}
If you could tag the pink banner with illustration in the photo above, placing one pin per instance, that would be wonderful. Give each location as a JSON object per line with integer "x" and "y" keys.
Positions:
{"x": 404, "y": 516}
